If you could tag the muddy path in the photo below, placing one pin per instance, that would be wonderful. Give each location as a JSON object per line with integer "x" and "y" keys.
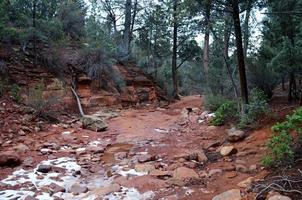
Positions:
{"x": 148, "y": 153}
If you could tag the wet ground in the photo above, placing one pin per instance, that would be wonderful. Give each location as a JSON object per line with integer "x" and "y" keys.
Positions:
{"x": 147, "y": 153}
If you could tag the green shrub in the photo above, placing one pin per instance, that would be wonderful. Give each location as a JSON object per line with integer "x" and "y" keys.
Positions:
{"x": 281, "y": 144}
{"x": 225, "y": 111}
{"x": 212, "y": 102}
{"x": 257, "y": 107}
{"x": 15, "y": 93}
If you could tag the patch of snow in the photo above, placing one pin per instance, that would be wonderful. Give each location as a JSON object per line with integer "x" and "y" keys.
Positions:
{"x": 131, "y": 172}
{"x": 94, "y": 143}
{"x": 31, "y": 176}
{"x": 160, "y": 130}
{"x": 80, "y": 149}
{"x": 66, "y": 133}
{"x": 130, "y": 194}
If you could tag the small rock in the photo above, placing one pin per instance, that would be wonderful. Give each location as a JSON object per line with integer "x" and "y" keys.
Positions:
{"x": 241, "y": 168}
{"x": 160, "y": 174}
{"x": 253, "y": 168}
{"x": 56, "y": 188}
{"x": 144, "y": 167}
{"x": 21, "y": 133}
{"x": 246, "y": 183}
{"x": 22, "y": 148}
{"x": 228, "y": 150}
{"x": 279, "y": 197}
{"x": 120, "y": 155}
{"x": 107, "y": 190}
{"x": 235, "y": 135}
{"x": 231, "y": 174}
{"x": 44, "y": 168}
{"x": 214, "y": 171}
{"x": 229, "y": 195}
{"x": 175, "y": 182}
{"x": 46, "y": 151}
{"x": 30, "y": 198}
{"x": 145, "y": 158}
{"x": 183, "y": 173}
{"x": 78, "y": 189}
{"x": 93, "y": 123}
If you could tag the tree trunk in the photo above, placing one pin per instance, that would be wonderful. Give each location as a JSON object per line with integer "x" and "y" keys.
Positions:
{"x": 290, "y": 88}
{"x": 174, "y": 54}
{"x": 246, "y": 27}
{"x": 240, "y": 54}
{"x": 34, "y": 30}
{"x": 206, "y": 46}
{"x": 127, "y": 30}
{"x": 133, "y": 19}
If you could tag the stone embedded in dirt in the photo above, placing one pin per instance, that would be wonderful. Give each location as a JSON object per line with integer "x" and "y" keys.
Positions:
{"x": 120, "y": 155}
{"x": 184, "y": 173}
{"x": 107, "y": 190}
{"x": 44, "y": 168}
{"x": 9, "y": 159}
{"x": 160, "y": 174}
{"x": 144, "y": 167}
{"x": 253, "y": 168}
{"x": 145, "y": 158}
{"x": 230, "y": 174}
{"x": 93, "y": 123}
{"x": 279, "y": 197}
{"x": 175, "y": 182}
{"x": 213, "y": 144}
{"x": 45, "y": 151}
{"x": 30, "y": 198}
{"x": 21, "y": 148}
{"x": 241, "y": 168}
{"x": 213, "y": 172}
{"x": 228, "y": 150}
{"x": 229, "y": 195}
{"x": 235, "y": 135}
{"x": 78, "y": 189}
{"x": 55, "y": 188}
{"x": 246, "y": 183}
{"x": 21, "y": 132}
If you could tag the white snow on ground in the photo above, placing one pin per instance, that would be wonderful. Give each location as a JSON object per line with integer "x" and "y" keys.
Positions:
{"x": 21, "y": 176}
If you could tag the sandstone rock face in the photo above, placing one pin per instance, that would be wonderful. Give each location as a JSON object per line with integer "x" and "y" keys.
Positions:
{"x": 93, "y": 123}
{"x": 229, "y": 195}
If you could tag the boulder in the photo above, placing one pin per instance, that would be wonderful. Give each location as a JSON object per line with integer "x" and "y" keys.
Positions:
{"x": 22, "y": 148}
{"x": 93, "y": 123}
{"x": 246, "y": 183}
{"x": 78, "y": 189}
{"x": 55, "y": 188}
{"x": 228, "y": 150}
{"x": 184, "y": 173}
{"x": 9, "y": 159}
{"x": 44, "y": 168}
{"x": 145, "y": 158}
{"x": 233, "y": 194}
{"x": 279, "y": 197}
{"x": 107, "y": 190}
{"x": 235, "y": 135}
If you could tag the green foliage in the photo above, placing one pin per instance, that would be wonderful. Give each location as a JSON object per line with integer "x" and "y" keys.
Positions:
{"x": 281, "y": 144}
{"x": 224, "y": 112}
{"x": 257, "y": 107}
{"x": 212, "y": 102}
{"x": 15, "y": 93}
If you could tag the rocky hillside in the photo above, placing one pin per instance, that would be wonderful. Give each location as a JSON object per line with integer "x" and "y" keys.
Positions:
{"x": 55, "y": 68}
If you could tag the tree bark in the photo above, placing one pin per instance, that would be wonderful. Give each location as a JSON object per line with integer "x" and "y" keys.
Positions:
{"x": 34, "y": 11}
{"x": 174, "y": 54}
{"x": 240, "y": 53}
{"x": 246, "y": 27}
{"x": 127, "y": 29}
{"x": 206, "y": 46}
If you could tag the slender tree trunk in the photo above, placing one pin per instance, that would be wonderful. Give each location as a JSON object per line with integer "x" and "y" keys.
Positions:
{"x": 133, "y": 19}
{"x": 127, "y": 31}
{"x": 246, "y": 31}
{"x": 174, "y": 53}
{"x": 206, "y": 46}
{"x": 290, "y": 88}
{"x": 240, "y": 54}
{"x": 34, "y": 30}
